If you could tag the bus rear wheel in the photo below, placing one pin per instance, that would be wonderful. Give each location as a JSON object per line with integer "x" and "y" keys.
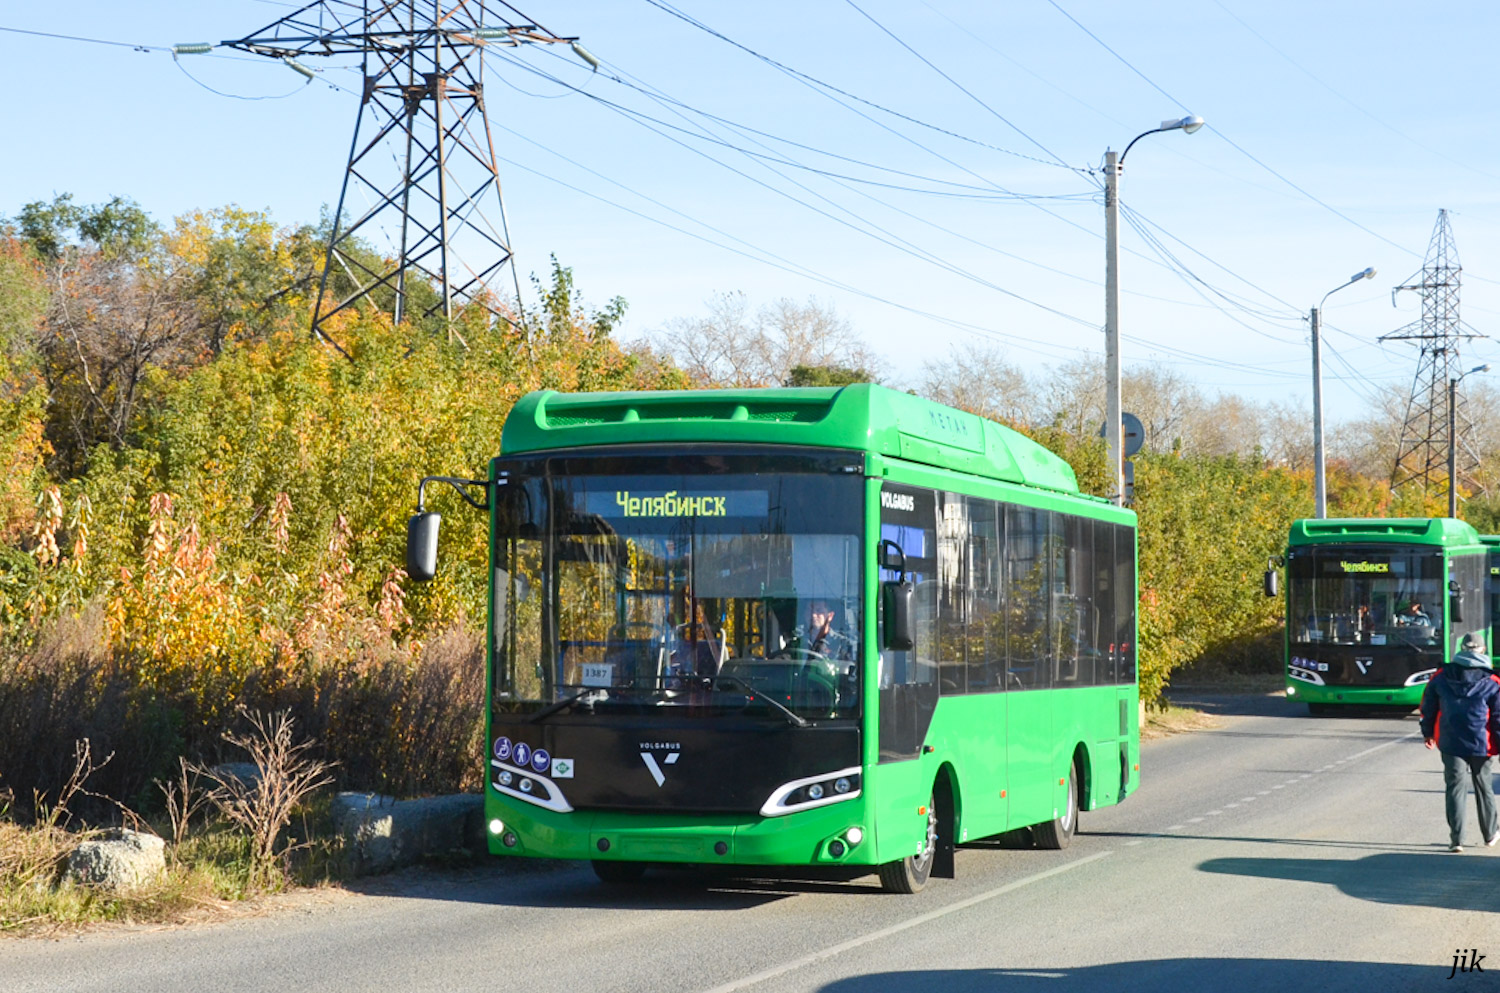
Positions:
{"x": 910, "y": 874}
{"x": 1058, "y": 832}
{"x": 619, "y": 873}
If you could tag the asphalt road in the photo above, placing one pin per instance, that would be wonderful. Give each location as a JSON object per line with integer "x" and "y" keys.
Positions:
{"x": 1275, "y": 852}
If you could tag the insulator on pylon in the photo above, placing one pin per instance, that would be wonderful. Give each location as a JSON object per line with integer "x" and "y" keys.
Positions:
{"x": 299, "y": 68}
{"x": 585, "y": 55}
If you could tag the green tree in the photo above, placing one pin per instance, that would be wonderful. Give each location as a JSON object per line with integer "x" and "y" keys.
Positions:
{"x": 826, "y": 375}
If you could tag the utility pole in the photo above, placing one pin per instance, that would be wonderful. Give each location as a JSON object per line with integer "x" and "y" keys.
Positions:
{"x": 1320, "y": 479}
{"x": 1114, "y": 441}
{"x": 430, "y": 233}
{"x": 1113, "y": 435}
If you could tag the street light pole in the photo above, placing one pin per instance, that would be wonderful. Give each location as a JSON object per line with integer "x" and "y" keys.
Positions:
{"x": 1320, "y": 481}
{"x": 1113, "y": 432}
{"x": 1453, "y": 438}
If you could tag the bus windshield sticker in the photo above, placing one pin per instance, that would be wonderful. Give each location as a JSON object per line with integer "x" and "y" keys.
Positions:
{"x": 597, "y": 674}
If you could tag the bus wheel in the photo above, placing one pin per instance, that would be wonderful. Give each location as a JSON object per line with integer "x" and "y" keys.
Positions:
{"x": 910, "y": 874}
{"x": 619, "y": 873}
{"x": 1058, "y": 832}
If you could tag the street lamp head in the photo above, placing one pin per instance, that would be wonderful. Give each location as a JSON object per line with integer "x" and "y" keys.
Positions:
{"x": 1188, "y": 124}
{"x": 1366, "y": 274}
{"x": 1479, "y": 368}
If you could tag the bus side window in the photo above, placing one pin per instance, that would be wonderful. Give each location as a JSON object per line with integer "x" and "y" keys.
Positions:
{"x": 908, "y": 680}
{"x": 1028, "y": 587}
{"x": 986, "y": 628}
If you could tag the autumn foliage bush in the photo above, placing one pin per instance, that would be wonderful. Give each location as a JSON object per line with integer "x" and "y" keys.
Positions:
{"x": 238, "y": 545}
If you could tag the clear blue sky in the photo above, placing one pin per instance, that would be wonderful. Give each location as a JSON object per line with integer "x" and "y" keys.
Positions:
{"x": 1380, "y": 112}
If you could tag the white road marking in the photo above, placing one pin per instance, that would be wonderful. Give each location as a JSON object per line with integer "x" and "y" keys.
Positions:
{"x": 920, "y": 919}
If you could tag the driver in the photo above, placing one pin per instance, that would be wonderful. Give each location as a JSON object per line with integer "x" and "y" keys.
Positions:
{"x": 821, "y": 637}
{"x": 1414, "y": 614}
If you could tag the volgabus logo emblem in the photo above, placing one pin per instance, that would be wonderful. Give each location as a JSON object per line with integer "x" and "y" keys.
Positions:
{"x": 669, "y": 750}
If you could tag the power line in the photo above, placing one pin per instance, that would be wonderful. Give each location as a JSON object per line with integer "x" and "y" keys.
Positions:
{"x": 1323, "y": 83}
{"x": 91, "y": 41}
{"x": 1123, "y": 61}
{"x": 660, "y": 97}
{"x": 820, "y": 84}
{"x": 959, "y": 86}
{"x": 879, "y": 234}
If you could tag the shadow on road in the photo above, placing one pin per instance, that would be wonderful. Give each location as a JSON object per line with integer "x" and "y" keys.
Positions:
{"x": 1222, "y": 974}
{"x": 1449, "y": 882}
{"x": 1385, "y": 847}
{"x": 1277, "y": 705}
{"x": 556, "y": 884}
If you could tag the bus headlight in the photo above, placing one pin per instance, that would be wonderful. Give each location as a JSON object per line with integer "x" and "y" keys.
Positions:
{"x": 814, "y": 791}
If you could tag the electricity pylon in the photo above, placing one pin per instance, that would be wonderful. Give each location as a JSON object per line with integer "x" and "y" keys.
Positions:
{"x": 1422, "y": 456}
{"x": 422, "y": 169}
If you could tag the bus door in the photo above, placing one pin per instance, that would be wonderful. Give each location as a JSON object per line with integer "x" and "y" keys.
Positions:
{"x": 1031, "y": 549}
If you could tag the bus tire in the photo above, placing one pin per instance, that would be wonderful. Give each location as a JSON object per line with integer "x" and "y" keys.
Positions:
{"x": 910, "y": 874}
{"x": 1058, "y": 832}
{"x": 619, "y": 873}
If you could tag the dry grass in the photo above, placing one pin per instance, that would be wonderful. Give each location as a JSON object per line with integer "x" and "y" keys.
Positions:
{"x": 1175, "y": 720}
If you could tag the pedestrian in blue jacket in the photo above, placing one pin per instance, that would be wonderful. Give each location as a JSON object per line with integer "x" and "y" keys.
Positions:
{"x": 1460, "y": 717}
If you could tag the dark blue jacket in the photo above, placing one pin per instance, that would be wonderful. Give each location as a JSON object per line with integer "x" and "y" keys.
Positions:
{"x": 1463, "y": 703}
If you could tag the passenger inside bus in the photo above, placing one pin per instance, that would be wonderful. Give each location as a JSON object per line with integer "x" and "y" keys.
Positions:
{"x": 697, "y": 650}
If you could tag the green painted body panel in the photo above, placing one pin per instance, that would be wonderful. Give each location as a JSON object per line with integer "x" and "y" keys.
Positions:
{"x": 1399, "y": 696}
{"x": 1441, "y": 531}
{"x": 794, "y": 839}
{"x": 1018, "y": 743}
{"x": 863, "y": 417}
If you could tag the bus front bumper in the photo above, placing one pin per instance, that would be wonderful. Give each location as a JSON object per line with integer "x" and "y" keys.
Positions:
{"x": 1357, "y": 696}
{"x": 837, "y": 834}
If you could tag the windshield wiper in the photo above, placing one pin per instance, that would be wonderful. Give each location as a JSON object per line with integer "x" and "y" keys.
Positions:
{"x": 796, "y": 719}
{"x": 564, "y": 703}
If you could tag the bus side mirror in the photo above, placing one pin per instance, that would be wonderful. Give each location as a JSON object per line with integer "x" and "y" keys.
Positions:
{"x": 896, "y": 601}
{"x": 1455, "y": 602}
{"x": 1271, "y": 581}
{"x": 421, "y": 546}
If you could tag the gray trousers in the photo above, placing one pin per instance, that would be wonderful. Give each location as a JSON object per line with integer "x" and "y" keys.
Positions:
{"x": 1458, "y": 772}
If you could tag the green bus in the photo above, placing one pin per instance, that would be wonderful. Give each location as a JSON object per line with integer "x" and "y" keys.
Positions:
{"x": 1491, "y": 543}
{"x": 1374, "y": 606}
{"x": 795, "y": 627}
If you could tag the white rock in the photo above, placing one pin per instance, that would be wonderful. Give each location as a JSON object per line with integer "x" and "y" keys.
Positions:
{"x": 120, "y": 859}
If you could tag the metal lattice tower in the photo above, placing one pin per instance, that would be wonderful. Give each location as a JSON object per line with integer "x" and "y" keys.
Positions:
{"x": 422, "y": 171}
{"x": 1422, "y": 457}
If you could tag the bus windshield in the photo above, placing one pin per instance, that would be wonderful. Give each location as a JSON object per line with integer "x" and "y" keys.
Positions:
{"x": 1369, "y": 595}
{"x": 701, "y": 589}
